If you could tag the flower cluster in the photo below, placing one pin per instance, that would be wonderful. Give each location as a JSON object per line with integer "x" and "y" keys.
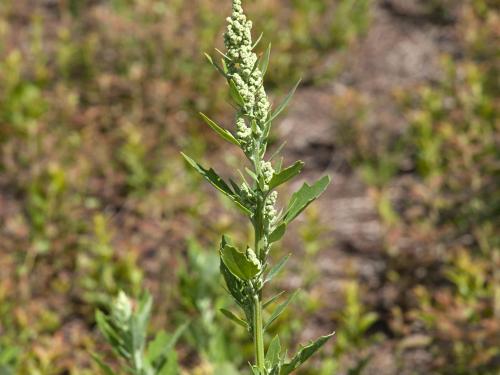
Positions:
{"x": 247, "y": 194}
{"x": 122, "y": 311}
{"x": 270, "y": 212}
{"x": 252, "y": 257}
{"x": 247, "y": 77}
{"x": 267, "y": 173}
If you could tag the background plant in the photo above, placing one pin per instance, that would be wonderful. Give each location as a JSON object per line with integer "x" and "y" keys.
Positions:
{"x": 125, "y": 328}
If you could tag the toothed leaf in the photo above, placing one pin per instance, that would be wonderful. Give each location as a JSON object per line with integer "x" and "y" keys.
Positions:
{"x": 211, "y": 176}
{"x": 304, "y": 197}
{"x": 238, "y": 263}
{"x": 304, "y": 354}
{"x": 273, "y": 352}
{"x": 286, "y": 174}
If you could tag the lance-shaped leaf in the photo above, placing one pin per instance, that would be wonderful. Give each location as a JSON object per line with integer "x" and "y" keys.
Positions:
{"x": 277, "y": 268}
{"x": 238, "y": 263}
{"x": 276, "y": 153}
{"x": 216, "y": 181}
{"x": 279, "y": 310}
{"x": 215, "y": 65}
{"x": 304, "y": 197}
{"x": 234, "y": 318}
{"x": 276, "y": 113}
{"x": 141, "y": 318}
{"x": 264, "y": 63}
{"x": 225, "y": 134}
{"x": 286, "y": 174}
{"x": 119, "y": 343}
{"x": 104, "y": 367}
{"x": 159, "y": 349}
{"x": 273, "y": 353}
{"x": 272, "y": 299}
{"x": 257, "y": 41}
{"x": 283, "y": 104}
{"x": 278, "y": 233}
{"x": 304, "y": 354}
{"x": 235, "y": 94}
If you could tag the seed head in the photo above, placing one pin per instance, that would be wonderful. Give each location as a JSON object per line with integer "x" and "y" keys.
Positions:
{"x": 243, "y": 69}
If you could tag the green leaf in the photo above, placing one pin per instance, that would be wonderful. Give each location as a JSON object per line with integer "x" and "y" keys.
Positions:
{"x": 276, "y": 269}
{"x": 104, "y": 367}
{"x": 235, "y": 94}
{"x": 215, "y": 65}
{"x": 273, "y": 352}
{"x": 236, "y": 319}
{"x": 163, "y": 344}
{"x": 252, "y": 174}
{"x": 139, "y": 325}
{"x": 225, "y": 134}
{"x": 257, "y": 41}
{"x": 278, "y": 233}
{"x": 304, "y": 197}
{"x": 157, "y": 348}
{"x": 144, "y": 311}
{"x": 360, "y": 366}
{"x": 304, "y": 354}
{"x": 272, "y": 299}
{"x": 223, "y": 54}
{"x": 265, "y": 60}
{"x": 284, "y": 104}
{"x": 109, "y": 332}
{"x": 239, "y": 265}
{"x": 171, "y": 366}
{"x": 277, "y": 152}
{"x": 235, "y": 285}
{"x": 279, "y": 310}
{"x": 286, "y": 174}
{"x": 216, "y": 181}
{"x": 367, "y": 321}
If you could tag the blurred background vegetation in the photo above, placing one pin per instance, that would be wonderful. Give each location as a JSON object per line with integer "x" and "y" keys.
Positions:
{"x": 399, "y": 104}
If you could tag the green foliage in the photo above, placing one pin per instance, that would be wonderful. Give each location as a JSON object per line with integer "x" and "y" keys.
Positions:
{"x": 303, "y": 198}
{"x": 9, "y": 356}
{"x": 201, "y": 296}
{"x": 132, "y": 155}
{"x": 354, "y": 321}
{"x": 125, "y": 329}
{"x": 245, "y": 272}
{"x": 103, "y": 272}
{"x": 21, "y": 101}
{"x": 352, "y": 18}
{"x": 44, "y": 199}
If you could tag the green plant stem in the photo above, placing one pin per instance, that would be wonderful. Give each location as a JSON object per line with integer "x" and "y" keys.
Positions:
{"x": 258, "y": 330}
{"x": 258, "y": 334}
